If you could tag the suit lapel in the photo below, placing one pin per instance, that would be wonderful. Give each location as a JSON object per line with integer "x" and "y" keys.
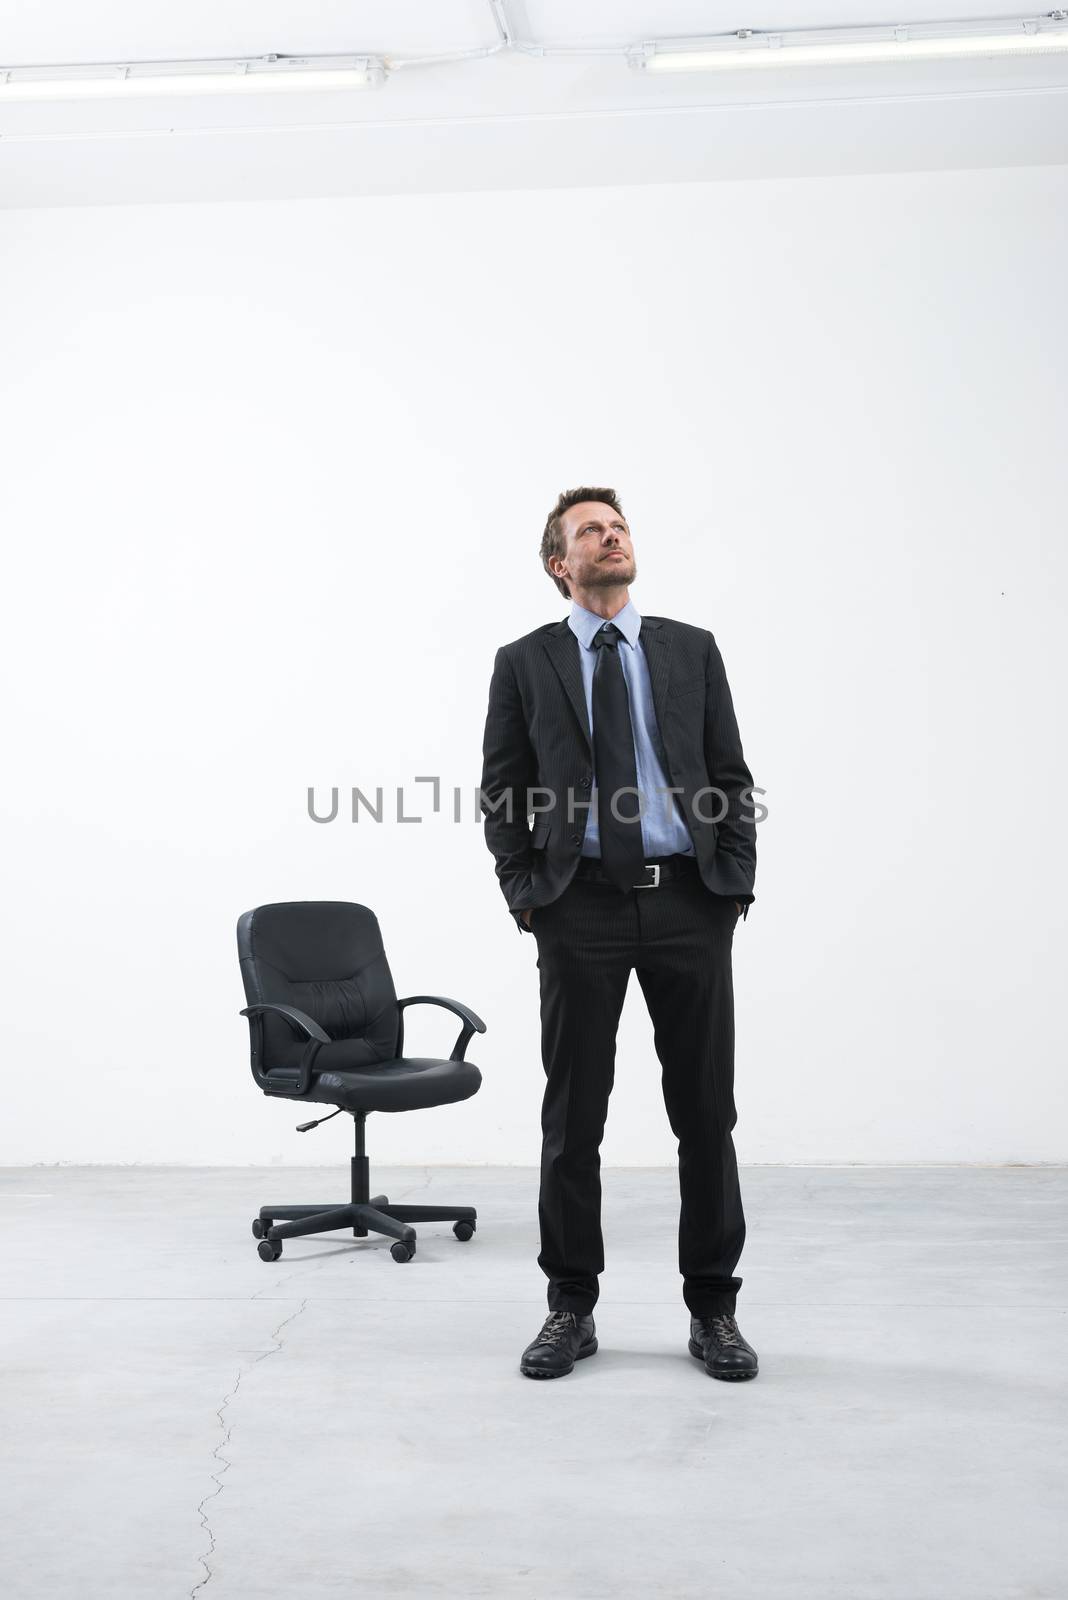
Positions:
{"x": 656, "y": 642}
{"x": 563, "y": 649}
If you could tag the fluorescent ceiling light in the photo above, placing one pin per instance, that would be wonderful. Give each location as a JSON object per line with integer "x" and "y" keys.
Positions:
{"x": 744, "y": 49}
{"x": 748, "y": 49}
{"x": 147, "y": 80}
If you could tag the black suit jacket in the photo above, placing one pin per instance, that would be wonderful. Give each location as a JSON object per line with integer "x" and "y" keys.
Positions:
{"x": 538, "y": 737}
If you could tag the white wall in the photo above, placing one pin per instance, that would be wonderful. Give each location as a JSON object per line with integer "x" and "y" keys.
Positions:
{"x": 273, "y": 483}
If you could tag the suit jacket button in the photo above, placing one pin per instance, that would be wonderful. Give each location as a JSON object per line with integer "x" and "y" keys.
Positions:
{"x": 586, "y": 780}
{"x": 575, "y": 838}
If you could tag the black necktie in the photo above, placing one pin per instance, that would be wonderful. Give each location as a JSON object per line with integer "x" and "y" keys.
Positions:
{"x": 622, "y": 852}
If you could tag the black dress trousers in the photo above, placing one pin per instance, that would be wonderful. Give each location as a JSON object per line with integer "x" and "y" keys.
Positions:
{"x": 677, "y": 938}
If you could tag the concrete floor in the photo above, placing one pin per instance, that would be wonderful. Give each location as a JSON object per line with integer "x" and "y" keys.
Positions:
{"x": 183, "y": 1419}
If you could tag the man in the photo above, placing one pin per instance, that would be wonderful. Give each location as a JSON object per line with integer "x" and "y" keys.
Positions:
{"x": 618, "y": 733}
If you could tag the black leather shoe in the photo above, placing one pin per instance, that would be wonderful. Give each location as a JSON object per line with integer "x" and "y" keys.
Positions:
{"x": 565, "y": 1339}
{"x": 717, "y": 1341}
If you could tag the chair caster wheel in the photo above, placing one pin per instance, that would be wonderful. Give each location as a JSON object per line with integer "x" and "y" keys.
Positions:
{"x": 401, "y": 1251}
{"x": 463, "y": 1230}
{"x": 270, "y": 1249}
{"x": 259, "y": 1227}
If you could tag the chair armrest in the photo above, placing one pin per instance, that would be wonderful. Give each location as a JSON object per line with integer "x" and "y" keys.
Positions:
{"x": 472, "y": 1022}
{"x": 307, "y": 1025}
{"x": 289, "y": 1085}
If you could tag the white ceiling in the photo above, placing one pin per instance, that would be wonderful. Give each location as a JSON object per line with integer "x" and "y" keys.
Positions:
{"x": 506, "y": 121}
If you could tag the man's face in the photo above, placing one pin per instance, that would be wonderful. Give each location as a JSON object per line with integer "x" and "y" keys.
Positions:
{"x": 597, "y": 547}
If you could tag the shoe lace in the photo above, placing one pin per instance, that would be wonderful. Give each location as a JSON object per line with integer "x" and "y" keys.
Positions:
{"x": 558, "y": 1324}
{"x": 726, "y": 1329}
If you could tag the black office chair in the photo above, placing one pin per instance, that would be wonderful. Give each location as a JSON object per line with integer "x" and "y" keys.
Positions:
{"x": 327, "y": 1028}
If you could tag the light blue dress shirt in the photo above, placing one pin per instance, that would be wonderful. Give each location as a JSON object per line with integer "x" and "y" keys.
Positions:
{"x": 664, "y": 830}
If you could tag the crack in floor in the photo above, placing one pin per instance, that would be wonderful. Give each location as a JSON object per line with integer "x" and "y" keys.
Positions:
{"x": 222, "y": 1460}
{"x": 227, "y": 1429}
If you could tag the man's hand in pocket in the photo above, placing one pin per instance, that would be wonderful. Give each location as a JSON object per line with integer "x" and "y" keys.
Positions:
{"x": 526, "y": 917}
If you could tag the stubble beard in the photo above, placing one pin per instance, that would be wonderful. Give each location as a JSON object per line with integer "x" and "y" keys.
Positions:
{"x": 610, "y": 574}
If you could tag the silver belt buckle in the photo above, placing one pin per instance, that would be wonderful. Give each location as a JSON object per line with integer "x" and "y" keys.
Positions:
{"x": 654, "y": 868}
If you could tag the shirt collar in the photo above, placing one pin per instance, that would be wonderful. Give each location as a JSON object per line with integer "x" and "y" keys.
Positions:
{"x": 584, "y": 624}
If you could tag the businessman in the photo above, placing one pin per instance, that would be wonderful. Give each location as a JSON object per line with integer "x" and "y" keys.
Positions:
{"x": 616, "y": 733}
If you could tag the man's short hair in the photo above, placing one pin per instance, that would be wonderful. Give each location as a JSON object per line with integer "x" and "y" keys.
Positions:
{"x": 552, "y": 540}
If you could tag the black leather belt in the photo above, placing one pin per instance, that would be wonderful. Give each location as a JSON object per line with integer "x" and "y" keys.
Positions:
{"x": 662, "y": 869}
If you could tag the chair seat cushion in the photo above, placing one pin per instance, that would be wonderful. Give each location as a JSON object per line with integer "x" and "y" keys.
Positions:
{"x": 410, "y": 1083}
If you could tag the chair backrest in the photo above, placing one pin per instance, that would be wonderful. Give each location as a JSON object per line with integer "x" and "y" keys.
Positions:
{"x": 325, "y": 957}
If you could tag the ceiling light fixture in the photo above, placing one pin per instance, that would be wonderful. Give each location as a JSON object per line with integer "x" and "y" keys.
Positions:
{"x": 747, "y": 48}
{"x": 145, "y": 79}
